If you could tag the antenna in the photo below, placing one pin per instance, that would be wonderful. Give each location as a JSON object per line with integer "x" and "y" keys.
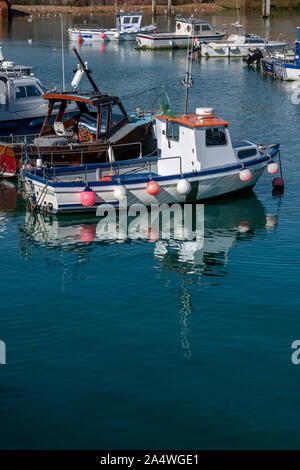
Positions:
{"x": 87, "y": 71}
{"x": 62, "y": 53}
{"x": 188, "y": 82}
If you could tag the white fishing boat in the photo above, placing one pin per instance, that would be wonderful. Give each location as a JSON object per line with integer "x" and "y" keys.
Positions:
{"x": 127, "y": 26}
{"x": 196, "y": 160}
{"x": 240, "y": 45}
{"x": 185, "y": 29}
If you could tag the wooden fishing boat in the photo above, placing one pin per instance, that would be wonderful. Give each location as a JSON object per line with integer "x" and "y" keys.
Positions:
{"x": 100, "y": 122}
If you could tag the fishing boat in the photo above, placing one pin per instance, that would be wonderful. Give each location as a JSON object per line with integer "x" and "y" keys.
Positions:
{"x": 196, "y": 161}
{"x": 22, "y": 107}
{"x": 239, "y": 45}
{"x": 127, "y": 26}
{"x": 99, "y": 122}
{"x": 284, "y": 66}
{"x": 185, "y": 29}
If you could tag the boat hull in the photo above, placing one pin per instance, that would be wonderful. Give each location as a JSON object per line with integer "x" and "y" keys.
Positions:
{"x": 65, "y": 198}
{"x": 234, "y": 50}
{"x": 171, "y": 41}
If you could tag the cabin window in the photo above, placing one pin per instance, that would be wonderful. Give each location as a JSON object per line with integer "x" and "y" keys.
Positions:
{"x": 126, "y": 20}
{"x": 215, "y": 137}
{"x": 188, "y": 28}
{"x": 135, "y": 19}
{"x": 104, "y": 113}
{"x": 173, "y": 130}
{"x": 32, "y": 91}
{"x": 116, "y": 115}
{"x": 197, "y": 28}
{"x": 178, "y": 26}
{"x": 20, "y": 92}
{"x": 247, "y": 153}
{"x": 2, "y": 93}
{"x": 205, "y": 27}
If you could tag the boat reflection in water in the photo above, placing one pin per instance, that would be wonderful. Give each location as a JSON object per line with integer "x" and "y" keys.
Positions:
{"x": 199, "y": 259}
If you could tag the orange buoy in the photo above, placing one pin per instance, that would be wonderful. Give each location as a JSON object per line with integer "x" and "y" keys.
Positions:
{"x": 152, "y": 188}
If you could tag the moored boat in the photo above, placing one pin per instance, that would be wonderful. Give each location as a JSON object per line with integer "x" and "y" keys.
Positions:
{"x": 99, "y": 122}
{"x": 185, "y": 29}
{"x": 127, "y": 26}
{"x": 240, "y": 45}
{"x": 196, "y": 160}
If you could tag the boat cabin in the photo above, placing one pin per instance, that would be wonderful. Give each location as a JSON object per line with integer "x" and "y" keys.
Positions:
{"x": 197, "y": 142}
{"x": 19, "y": 92}
{"x": 127, "y": 21}
{"x": 98, "y": 117}
{"x": 192, "y": 27}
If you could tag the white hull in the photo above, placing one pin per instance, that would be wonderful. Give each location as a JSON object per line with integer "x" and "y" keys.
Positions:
{"x": 234, "y": 50}
{"x": 286, "y": 73}
{"x": 67, "y": 199}
{"x": 110, "y": 35}
{"x": 170, "y": 40}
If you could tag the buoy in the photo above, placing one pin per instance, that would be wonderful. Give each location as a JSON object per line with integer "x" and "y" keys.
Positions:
{"x": 154, "y": 32}
{"x": 102, "y": 35}
{"x": 119, "y": 192}
{"x": 117, "y": 35}
{"x": 273, "y": 168}
{"x": 278, "y": 183}
{"x": 38, "y": 161}
{"x": 152, "y": 188}
{"x": 183, "y": 186}
{"x": 80, "y": 38}
{"x": 88, "y": 197}
{"x": 87, "y": 233}
{"x": 153, "y": 234}
{"x": 245, "y": 175}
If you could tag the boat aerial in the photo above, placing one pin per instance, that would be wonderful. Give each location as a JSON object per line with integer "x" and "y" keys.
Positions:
{"x": 239, "y": 45}
{"x": 196, "y": 160}
{"x": 99, "y": 122}
{"x": 284, "y": 66}
{"x": 185, "y": 29}
{"x": 127, "y": 26}
{"x": 22, "y": 107}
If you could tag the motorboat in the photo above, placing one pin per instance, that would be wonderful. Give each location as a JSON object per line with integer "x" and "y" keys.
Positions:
{"x": 185, "y": 29}
{"x": 240, "y": 45}
{"x": 127, "y": 26}
{"x": 283, "y": 66}
{"x": 196, "y": 161}
{"x": 22, "y": 107}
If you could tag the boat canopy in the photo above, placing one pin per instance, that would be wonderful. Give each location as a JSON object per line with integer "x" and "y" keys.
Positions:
{"x": 108, "y": 116}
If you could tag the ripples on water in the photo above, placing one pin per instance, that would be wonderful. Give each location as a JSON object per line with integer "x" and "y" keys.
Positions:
{"x": 156, "y": 342}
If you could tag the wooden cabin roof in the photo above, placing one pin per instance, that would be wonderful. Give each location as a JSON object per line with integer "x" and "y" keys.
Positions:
{"x": 194, "y": 120}
{"x": 89, "y": 99}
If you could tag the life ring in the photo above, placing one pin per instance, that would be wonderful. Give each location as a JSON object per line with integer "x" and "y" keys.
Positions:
{"x": 84, "y": 134}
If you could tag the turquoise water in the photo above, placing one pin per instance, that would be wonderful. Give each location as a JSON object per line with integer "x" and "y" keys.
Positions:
{"x": 156, "y": 343}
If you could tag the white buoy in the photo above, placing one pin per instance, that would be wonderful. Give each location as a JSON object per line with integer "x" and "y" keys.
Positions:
{"x": 183, "y": 186}
{"x": 117, "y": 35}
{"x": 39, "y": 161}
{"x": 119, "y": 192}
{"x": 77, "y": 78}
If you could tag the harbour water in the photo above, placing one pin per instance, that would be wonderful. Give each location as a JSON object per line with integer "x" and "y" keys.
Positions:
{"x": 155, "y": 343}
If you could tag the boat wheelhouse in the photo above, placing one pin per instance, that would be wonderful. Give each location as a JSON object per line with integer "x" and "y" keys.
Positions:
{"x": 185, "y": 29}
{"x": 196, "y": 160}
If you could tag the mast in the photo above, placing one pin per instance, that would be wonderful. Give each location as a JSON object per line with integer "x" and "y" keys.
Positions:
{"x": 62, "y": 52}
{"x": 87, "y": 71}
{"x": 188, "y": 82}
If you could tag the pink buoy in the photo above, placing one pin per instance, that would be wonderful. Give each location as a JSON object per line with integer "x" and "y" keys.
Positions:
{"x": 152, "y": 188}
{"x": 87, "y": 233}
{"x": 87, "y": 197}
{"x": 102, "y": 35}
{"x": 80, "y": 38}
{"x": 272, "y": 168}
{"x": 245, "y": 175}
{"x": 278, "y": 183}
